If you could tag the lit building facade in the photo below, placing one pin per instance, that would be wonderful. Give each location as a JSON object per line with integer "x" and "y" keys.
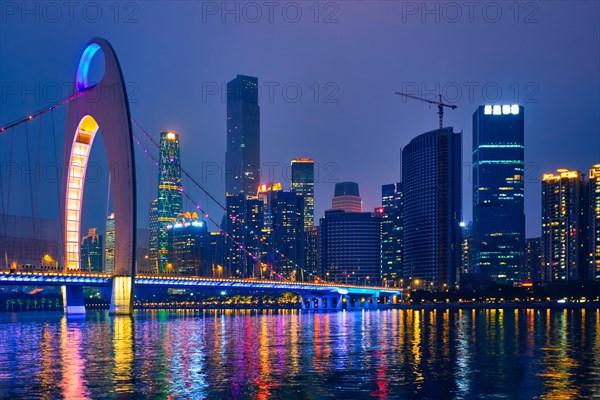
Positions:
{"x": 303, "y": 183}
{"x": 498, "y": 192}
{"x": 391, "y": 234}
{"x": 218, "y": 255}
{"x": 594, "y": 232}
{"x": 346, "y": 197}
{"x": 153, "y": 244}
{"x": 283, "y": 231}
{"x": 243, "y": 243}
{"x": 91, "y": 251}
{"x": 534, "y": 260}
{"x": 432, "y": 209}
{"x": 350, "y": 247}
{"x": 242, "y": 158}
{"x": 170, "y": 202}
{"x": 285, "y": 244}
{"x": 265, "y": 194}
{"x": 467, "y": 249}
{"x": 564, "y": 226}
{"x": 109, "y": 246}
{"x": 189, "y": 248}
{"x": 311, "y": 252}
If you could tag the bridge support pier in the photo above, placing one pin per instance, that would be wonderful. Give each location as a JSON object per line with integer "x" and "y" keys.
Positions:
{"x": 321, "y": 303}
{"x": 374, "y": 304}
{"x": 73, "y": 302}
{"x": 121, "y": 301}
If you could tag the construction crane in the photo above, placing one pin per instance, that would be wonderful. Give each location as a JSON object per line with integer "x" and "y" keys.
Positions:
{"x": 440, "y": 104}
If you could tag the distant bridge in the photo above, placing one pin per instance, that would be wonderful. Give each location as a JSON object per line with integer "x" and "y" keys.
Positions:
{"x": 315, "y": 296}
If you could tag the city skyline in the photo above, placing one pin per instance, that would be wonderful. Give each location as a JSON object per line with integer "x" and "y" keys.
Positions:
{"x": 300, "y": 200}
{"x": 289, "y": 129}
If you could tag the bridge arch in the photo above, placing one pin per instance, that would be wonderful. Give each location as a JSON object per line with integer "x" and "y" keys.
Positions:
{"x": 105, "y": 108}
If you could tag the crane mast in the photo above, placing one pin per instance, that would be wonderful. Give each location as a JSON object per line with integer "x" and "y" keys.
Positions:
{"x": 440, "y": 105}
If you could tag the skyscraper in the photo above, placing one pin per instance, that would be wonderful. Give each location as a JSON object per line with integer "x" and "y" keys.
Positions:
{"x": 533, "y": 260}
{"x": 391, "y": 233}
{"x": 346, "y": 197}
{"x": 564, "y": 226}
{"x": 244, "y": 226}
{"x": 283, "y": 230}
{"x": 109, "y": 247}
{"x": 154, "y": 236}
{"x": 303, "y": 183}
{"x": 169, "y": 203}
{"x": 594, "y": 201}
{"x": 311, "y": 252}
{"x": 467, "y": 249}
{"x": 91, "y": 251}
{"x": 350, "y": 247}
{"x": 498, "y": 192}
{"x": 287, "y": 234}
{"x": 242, "y": 158}
{"x": 431, "y": 179}
{"x": 265, "y": 194}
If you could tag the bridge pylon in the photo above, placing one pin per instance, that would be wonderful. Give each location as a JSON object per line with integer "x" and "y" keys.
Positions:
{"x": 103, "y": 107}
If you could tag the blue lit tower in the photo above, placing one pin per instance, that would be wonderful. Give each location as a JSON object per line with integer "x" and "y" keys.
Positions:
{"x": 169, "y": 204}
{"x": 498, "y": 192}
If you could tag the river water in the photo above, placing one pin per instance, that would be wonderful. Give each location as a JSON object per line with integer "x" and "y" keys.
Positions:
{"x": 404, "y": 354}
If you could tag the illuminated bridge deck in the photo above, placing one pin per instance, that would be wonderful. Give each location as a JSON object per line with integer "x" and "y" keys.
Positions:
{"x": 43, "y": 278}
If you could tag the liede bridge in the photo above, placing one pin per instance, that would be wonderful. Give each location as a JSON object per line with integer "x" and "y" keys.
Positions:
{"x": 110, "y": 116}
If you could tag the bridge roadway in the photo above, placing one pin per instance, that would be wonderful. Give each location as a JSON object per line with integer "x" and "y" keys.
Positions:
{"x": 320, "y": 296}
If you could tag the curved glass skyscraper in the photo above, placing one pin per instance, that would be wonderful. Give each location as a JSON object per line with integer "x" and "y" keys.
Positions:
{"x": 431, "y": 179}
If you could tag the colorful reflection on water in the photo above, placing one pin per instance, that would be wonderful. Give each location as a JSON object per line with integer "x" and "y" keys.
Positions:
{"x": 289, "y": 354}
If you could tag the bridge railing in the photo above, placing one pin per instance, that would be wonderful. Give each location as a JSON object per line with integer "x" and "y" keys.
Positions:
{"x": 183, "y": 278}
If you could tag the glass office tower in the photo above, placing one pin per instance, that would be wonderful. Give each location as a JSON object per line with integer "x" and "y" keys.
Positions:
{"x": 391, "y": 234}
{"x": 242, "y": 158}
{"x": 303, "y": 183}
{"x": 432, "y": 209}
{"x": 498, "y": 193}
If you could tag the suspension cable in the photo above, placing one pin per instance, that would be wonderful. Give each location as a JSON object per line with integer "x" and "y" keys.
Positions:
{"x": 58, "y": 184}
{"x": 30, "y": 183}
{"x": 42, "y": 111}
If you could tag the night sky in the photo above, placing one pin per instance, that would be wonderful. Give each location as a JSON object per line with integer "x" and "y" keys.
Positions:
{"x": 327, "y": 82}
